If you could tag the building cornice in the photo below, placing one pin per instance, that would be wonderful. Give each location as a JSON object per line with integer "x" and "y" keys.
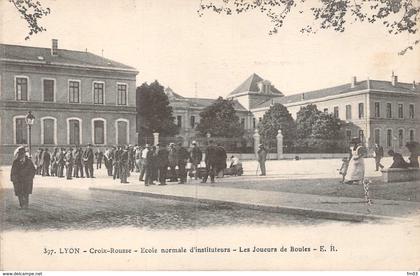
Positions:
{"x": 68, "y": 65}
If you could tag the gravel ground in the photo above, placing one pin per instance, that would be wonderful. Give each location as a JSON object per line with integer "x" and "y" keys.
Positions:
{"x": 58, "y": 208}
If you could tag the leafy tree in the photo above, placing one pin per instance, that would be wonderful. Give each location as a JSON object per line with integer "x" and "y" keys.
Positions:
{"x": 396, "y": 16}
{"x": 31, "y": 11}
{"x": 318, "y": 131}
{"x": 220, "y": 120}
{"x": 277, "y": 117}
{"x": 154, "y": 114}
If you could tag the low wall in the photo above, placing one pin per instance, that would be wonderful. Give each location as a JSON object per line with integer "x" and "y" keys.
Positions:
{"x": 290, "y": 156}
{"x": 400, "y": 175}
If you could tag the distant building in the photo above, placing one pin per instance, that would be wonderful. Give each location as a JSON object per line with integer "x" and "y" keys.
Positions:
{"x": 383, "y": 112}
{"x": 77, "y": 98}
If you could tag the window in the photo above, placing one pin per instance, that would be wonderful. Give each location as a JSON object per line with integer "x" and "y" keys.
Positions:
{"x": 98, "y": 93}
{"x": 389, "y": 138}
{"x": 48, "y": 131}
{"x": 243, "y": 122}
{"x": 122, "y": 131}
{"x": 377, "y": 136}
{"x": 325, "y": 110}
{"x": 348, "y": 134}
{"x": 411, "y": 135}
{"x": 74, "y": 91}
{"x": 411, "y": 111}
{"x": 336, "y": 112}
{"x": 21, "y": 131}
{"x": 254, "y": 123}
{"x": 377, "y": 110}
{"x": 361, "y": 111}
{"x": 389, "y": 110}
{"x": 348, "y": 112}
{"x": 98, "y": 132}
{"x": 361, "y": 135}
{"x": 400, "y": 111}
{"x": 21, "y": 89}
{"x": 400, "y": 137}
{"x": 74, "y": 131}
{"x": 192, "y": 121}
{"x": 48, "y": 86}
{"x": 179, "y": 121}
{"x": 122, "y": 94}
{"x": 260, "y": 119}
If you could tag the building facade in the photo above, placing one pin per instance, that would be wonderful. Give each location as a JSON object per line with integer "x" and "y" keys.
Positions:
{"x": 377, "y": 111}
{"x": 76, "y": 97}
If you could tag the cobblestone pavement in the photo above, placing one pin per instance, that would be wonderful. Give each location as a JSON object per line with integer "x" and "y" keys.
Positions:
{"x": 68, "y": 208}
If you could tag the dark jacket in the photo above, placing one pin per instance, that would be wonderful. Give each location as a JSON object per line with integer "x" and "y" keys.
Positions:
{"x": 88, "y": 156}
{"x": 46, "y": 157}
{"x": 22, "y": 176}
{"x": 399, "y": 161}
{"x": 211, "y": 155}
{"x": 196, "y": 155}
{"x": 162, "y": 157}
{"x": 182, "y": 155}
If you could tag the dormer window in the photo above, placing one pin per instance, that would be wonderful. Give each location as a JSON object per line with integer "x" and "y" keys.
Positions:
{"x": 264, "y": 87}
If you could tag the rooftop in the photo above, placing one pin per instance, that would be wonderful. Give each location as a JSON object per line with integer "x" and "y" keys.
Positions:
{"x": 63, "y": 57}
{"x": 251, "y": 85}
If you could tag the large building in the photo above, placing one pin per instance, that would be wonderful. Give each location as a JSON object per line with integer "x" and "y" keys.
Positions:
{"x": 383, "y": 112}
{"x": 76, "y": 97}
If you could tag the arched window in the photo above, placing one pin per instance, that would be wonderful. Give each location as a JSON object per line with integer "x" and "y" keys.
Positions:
{"x": 74, "y": 131}
{"x": 122, "y": 131}
{"x": 98, "y": 131}
{"x": 49, "y": 130}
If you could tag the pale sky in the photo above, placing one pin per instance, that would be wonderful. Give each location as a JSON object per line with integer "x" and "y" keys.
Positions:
{"x": 167, "y": 40}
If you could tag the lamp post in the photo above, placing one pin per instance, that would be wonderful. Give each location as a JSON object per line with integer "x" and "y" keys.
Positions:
{"x": 30, "y": 119}
{"x": 208, "y": 135}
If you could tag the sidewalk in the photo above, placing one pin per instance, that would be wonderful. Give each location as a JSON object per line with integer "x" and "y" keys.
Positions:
{"x": 326, "y": 207}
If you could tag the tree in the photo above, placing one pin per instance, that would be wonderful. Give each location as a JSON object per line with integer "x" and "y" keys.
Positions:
{"x": 31, "y": 11}
{"x": 153, "y": 111}
{"x": 220, "y": 120}
{"x": 277, "y": 117}
{"x": 318, "y": 131}
{"x": 396, "y": 16}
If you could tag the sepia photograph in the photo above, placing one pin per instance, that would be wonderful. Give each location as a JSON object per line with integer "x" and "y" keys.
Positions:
{"x": 197, "y": 135}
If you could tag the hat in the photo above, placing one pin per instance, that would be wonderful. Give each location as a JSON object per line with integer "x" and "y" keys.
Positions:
{"x": 89, "y": 145}
{"x": 260, "y": 145}
{"x": 194, "y": 143}
{"x": 19, "y": 149}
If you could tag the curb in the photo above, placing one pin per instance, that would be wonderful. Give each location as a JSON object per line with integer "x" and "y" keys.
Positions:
{"x": 313, "y": 213}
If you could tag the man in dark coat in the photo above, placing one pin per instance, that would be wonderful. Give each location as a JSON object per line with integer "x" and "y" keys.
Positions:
{"x": 211, "y": 162}
{"x": 378, "y": 154}
{"x": 162, "y": 162}
{"x": 172, "y": 159}
{"x": 88, "y": 161}
{"x": 262, "y": 157}
{"x": 182, "y": 158}
{"x": 148, "y": 167}
{"x": 60, "y": 162}
{"x": 99, "y": 156}
{"x": 22, "y": 175}
{"x": 46, "y": 160}
{"x": 78, "y": 163}
{"x": 54, "y": 162}
{"x": 221, "y": 159}
{"x": 116, "y": 161}
{"x": 195, "y": 156}
{"x": 124, "y": 169}
{"x": 398, "y": 160}
{"x": 69, "y": 163}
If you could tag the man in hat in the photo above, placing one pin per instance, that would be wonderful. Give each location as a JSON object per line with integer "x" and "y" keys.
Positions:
{"x": 46, "y": 159}
{"x": 22, "y": 175}
{"x": 117, "y": 162}
{"x": 60, "y": 162}
{"x": 143, "y": 158}
{"x": 378, "y": 153}
{"x": 69, "y": 160}
{"x": 195, "y": 156}
{"x": 262, "y": 157}
{"x": 182, "y": 158}
{"x": 162, "y": 162}
{"x": 172, "y": 159}
{"x": 88, "y": 157}
{"x": 211, "y": 162}
{"x": 124, "y": 164}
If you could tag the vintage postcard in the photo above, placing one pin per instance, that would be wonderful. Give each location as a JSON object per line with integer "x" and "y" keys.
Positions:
{"x": 209, "y": 135}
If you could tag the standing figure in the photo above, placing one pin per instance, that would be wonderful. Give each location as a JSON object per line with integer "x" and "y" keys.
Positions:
{"x": 143, "y": 156}
{"x": 116, "y": 162}
{"x": 46, "y": 160}
{"x": 398, "y": 160}
{"x": 137, "y": 157}
{"x": 182, "y": 158}
{"x": 378, "y": 154}
{"x": 211, "y": 162}
{"x": 99, "y": 155}
{"x": 22, "y": 175}
{"x": 262, "y": 157}
{"x": 69, "y": 163}
{"x": 148, "y": 179}
{"x": 54, "y": 162}
{"x": 356, "y": 169}
{"x": 124, "y": 169}
{"x": 88, "y": 161}
{"x": 60, "y": 163}
{"x": 162, "y": 162}
{"x": 195, "y": 156}
{"x": 78, "y": 163}
{"x": 172, "y": 159}
{"x": 38, "y": 161}
{"x": 221, "y": 160}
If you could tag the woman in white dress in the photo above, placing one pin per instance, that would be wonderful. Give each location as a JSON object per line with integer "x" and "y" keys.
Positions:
{"x": 356, "y": 169}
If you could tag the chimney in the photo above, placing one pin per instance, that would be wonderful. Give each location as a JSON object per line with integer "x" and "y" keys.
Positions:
{"x": 353, "y": 82}
{"x": 368, "y": 83}
{"x": 394, "y": 79}
{"x": 414, "y": 85}
{"x": 302, "y": 96}
{"x": 54, "y": 47}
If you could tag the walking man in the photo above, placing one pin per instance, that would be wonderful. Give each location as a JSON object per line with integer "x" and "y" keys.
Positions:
{"x": 22, "y": 175}
{"x": 262, "y": 157}
{"x": 378, "y": 154}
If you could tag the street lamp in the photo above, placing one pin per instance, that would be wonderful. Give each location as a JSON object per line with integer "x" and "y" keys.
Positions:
{"x": 208, "y": 135}
{"x": 30, "y": 119}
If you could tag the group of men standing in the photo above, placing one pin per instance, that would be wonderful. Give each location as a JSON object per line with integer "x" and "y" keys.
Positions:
{"x": 69, "y": 162}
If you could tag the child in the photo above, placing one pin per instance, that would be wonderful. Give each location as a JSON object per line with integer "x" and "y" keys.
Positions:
{"x": 344, "y": 167}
